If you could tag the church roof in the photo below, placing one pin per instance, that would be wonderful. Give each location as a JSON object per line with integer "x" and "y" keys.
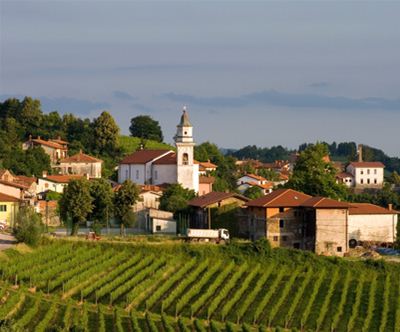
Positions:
{"x": 144, "y": 156}
{"x": 169, "y": 159}
{"x": 185, "y": 120}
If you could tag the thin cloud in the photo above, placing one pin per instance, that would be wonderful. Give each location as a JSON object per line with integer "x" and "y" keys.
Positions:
{"x": 122, "y": 95}
{"x": 320, "y": 85}
{"x": 292, "y": 100}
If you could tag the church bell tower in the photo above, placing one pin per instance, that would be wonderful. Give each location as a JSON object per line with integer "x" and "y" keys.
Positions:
{"x": 187, "y": 170}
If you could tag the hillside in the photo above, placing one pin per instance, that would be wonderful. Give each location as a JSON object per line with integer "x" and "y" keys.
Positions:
{"x": 195, "y": 287}
{"x": 129, "y": 144}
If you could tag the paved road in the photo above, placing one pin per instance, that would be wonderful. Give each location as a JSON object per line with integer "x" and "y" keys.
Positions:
{"x": 6, "y": 241}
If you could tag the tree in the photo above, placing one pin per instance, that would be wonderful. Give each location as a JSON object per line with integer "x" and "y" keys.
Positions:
{"x": 102, "y": 194}
{"x": 253, "y": 192}
{"x": 29, "y": 226}
{"x": 314, "y": 176}
{"x": 175, "y": 198}
{"x": 106, "y": 133}
{"x": 124, "y": 199}
{"x": 76, "y": 203}
{"x": 143, "y": 126}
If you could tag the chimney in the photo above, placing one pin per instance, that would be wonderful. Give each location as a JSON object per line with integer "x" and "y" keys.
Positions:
{"x": 38, "y": 137}
{"x": 390, "y": 206}
{"x": 360, "y": 157}
{"x": 44, "y": 174}
{"x": 30, "y": 137}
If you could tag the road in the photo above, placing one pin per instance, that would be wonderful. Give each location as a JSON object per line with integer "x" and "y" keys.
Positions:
{"x": 6, "y": 241}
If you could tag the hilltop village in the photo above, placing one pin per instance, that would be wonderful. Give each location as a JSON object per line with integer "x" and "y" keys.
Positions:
{"x": 279, "y": 200}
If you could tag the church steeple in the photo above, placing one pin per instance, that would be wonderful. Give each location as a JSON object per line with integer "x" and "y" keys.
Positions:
{"x": 187, "y": 170}
{"x": 184, "y": 133}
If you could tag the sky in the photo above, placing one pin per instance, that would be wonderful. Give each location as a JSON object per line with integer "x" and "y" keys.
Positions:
{"x": 263, "y": 73}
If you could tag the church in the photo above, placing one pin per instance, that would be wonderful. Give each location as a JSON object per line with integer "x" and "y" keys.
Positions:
{"x": 156, "y": 167}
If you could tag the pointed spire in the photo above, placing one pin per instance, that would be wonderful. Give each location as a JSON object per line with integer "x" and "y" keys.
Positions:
{"x": 185, "y": 119}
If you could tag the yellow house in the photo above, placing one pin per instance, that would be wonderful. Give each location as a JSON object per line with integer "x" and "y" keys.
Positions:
{"x": 9, "y": 207}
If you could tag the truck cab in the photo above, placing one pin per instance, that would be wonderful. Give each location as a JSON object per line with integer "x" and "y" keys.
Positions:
{"x": 223, "y": 234}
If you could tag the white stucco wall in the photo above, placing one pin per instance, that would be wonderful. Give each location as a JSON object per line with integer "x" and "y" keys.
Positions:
{"x": 246, "y": 178}
{"x": 363, "y": 175}
{"x": 44, "y": 185}
{"x": 133, "y": 172}
{"x": 372, "y": 227}
{"x": 165, "y": 226}
{"x": 164, "y": 174}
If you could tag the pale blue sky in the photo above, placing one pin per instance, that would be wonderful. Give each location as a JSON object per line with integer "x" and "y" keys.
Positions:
{"x": 263, "y": 73}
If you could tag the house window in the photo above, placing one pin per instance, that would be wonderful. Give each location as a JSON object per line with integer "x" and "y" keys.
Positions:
{"x": 375, "y": 181}
{"x": 339, "y": 249}
{"x": 281, "y": 223}
{"x": 275, "y": 238}
{"x": 368, "y": 181}
{"x": 185, "y": 159}
{"x": 137, "y": 174}
{"x": 362, "y": 181}
{"x": 361, "y": 172}
{"x": 281, "y": 209}
{"x": 375, "y": 171}
{"x": 3, "y": 208}
{"x": 296, "y": 245}
{"x": 367, "y": 171}
{"x": 126, "y": 174}
{"x": 155, "y": 175}
{"x": 158, "y": 228}
{"x": 284, "y": 238}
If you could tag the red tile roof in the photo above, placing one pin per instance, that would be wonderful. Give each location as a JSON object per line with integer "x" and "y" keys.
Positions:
{"x": 62, "y": 178}
{"x": 343, "y": 175}
{"x": 206, "y": 164}
{"x": 280, "y": 198}
{"x": 254, "y": 176}
{"x": 8, "y": 198}
{"x": 324, "y": 203}
{"x": 376, "y": 164}
{"x": 367, "y": 208}
{"x": 14, "y": 184}
{"x": 169, "y": 159}
{"x": 25, "y": 180}
{"x": 206, "y": 179}
{"x": 59, "y": 141}
{"x": 144, "y": 156}
{"x": 214, "y": 197}
{"x": 50, "y": 144}
{"x": 81, "y": 158}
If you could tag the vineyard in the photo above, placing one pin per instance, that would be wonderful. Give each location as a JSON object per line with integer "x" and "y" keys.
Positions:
{"x": 121, "y": 287}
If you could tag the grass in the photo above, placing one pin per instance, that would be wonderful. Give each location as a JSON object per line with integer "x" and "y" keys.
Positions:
{"x": 130, "y": 144}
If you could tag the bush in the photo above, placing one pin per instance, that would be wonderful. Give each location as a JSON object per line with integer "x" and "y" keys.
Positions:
{"x": 29, "y": 226}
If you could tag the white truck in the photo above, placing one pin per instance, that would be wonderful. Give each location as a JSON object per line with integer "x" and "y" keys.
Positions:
{"x": 207, "y": 235}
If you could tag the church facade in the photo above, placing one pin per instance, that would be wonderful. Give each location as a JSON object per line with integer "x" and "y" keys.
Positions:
{"x": 158, "y": 167}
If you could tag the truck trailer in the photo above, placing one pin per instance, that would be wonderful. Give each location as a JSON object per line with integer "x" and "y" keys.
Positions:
{"x": 207, "y": 235}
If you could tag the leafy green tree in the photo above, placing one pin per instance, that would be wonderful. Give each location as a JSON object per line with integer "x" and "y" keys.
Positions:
{"x": 31, "y": 116}
{"x": 253, "y": 192}
{"x": 106, "y": 133}
{"x": 76, "y": 203}
{"x": 124, "y": 199}
{"x": 314, "y": 176}
{"x": 143, "y": 126}
{"x": 175, "y": 198}
{"x": 28, "y": 227}
{"x": 269, "y": 174}
{"x": 103, "y": 195}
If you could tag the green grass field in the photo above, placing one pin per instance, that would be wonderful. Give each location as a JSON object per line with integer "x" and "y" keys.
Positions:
{"x": 83, "y": 286}
{"x": 130, "y": 144}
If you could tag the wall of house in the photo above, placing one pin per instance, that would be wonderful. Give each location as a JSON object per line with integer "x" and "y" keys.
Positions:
{"x": 363, "y": 175}
{"x": 162, "y": 226}
{"x": 246, "y": 178}
{"x": 205, "y": 188}
{"x": 135, "y": 173}
{"x": 331, "y": 232}
{"x": 284, "y": 228}
{"x": 44, "y": 185}
{"x": 93, "y": 169}
{"x": 10, "y": 191}
{"x": 147, "y": 200}
{"x": 8, "y": 212}
{"x": 372, "y": 227}
{"x": 163, "y": 174}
